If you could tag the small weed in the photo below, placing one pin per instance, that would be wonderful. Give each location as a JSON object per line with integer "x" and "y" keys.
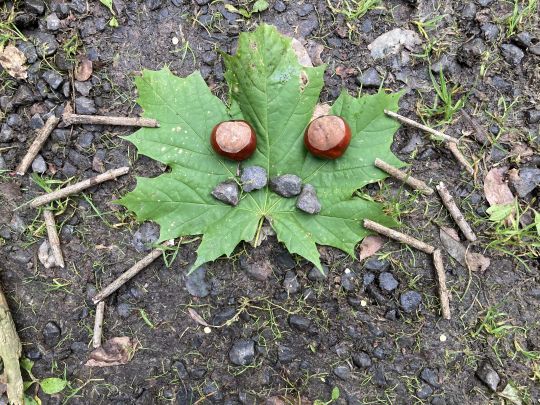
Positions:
{"x": 258, "y": 6}
{"x": 8, "y": 30}
{"x": 433, "y": 46}
{"x": 50, "y": 386}
{"x": 71, "y": 46}
{"x": 522, "y": 13}
{"x": 113, "y": 22}
{"x": 353, "y": 9}
{"x": 334, "y": 397}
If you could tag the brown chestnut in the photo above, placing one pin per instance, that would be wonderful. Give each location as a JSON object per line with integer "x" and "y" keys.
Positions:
{"x": 328, "y": 136}
{"x": 235, "y": 140}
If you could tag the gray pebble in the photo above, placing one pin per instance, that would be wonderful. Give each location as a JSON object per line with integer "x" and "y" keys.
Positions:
{"x": 528, "y": 180}
{"x": 46, "y": 44}
{"x": 51, "y": 334}
{"x": 316, "y": 275}
{"x": 287, "y": 185}
{"x": 227, "y": 192}
{"x": 285, "y": 354}
{"x": 488, "y": 375}
{"x": 368, "y": 278}
{"x": 307, "y": 200}
{"x": 512, "y": 54}
{"x": 85, "y": 105}
{"x": 387, "y": 281}
{"x": 430, "y": 376}
{"x": 471, "y": 52}
{"x": 424, "y": 391}
{"x": 375, "y": 264}
{"x": 242, "y": 352}
{"x": 533, "y": 116}
{"x": 196, "y": 283}
{"x": 342, "y": 372}
{"x": 83, "y": 87}
{"x": 39, "y": 165}
{"x": 53, "y": 79}
{"x": 370, "y": 78}
{"x": 53, "y": 22}
{"x": 490, "y": 31}
{"x": 290, "y": 283}
{"x": 280, "y": 6}
{"x": 410, "y": 301}
{"x": 223, "y": 316}
{"x": 348, "y": 281}
{"x": 3, "y": 165}
{"x": 36, "y": 121}
{"x": 299, "y": 322}
{"x": 6, "y": 133}
{"x": 253, "y": 178}
{"x": 29, "y": 50}
{"x": 361, "y": 360}
{"x": 35, "y": 6}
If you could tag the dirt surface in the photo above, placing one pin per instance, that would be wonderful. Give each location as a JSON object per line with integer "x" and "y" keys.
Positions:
{"x": 300, "y": 335}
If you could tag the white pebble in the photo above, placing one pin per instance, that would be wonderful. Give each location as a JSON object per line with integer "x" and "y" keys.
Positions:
{"x": 175, "y": 40}
{"x": 442, "y": 338}
{"x": 347, "y": 270}
{"x": 363, "y": 303}
{"x": 207, "y": 330}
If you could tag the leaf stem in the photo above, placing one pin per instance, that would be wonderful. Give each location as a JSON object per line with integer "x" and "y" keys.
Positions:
{"x": 259, "y": 227}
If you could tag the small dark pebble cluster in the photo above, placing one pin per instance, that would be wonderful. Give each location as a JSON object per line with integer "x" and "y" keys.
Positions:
{"x": 255, "y": 178}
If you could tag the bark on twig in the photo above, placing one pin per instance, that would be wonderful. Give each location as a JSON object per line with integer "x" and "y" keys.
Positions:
{"x": 404, "y": 177}
{"x": 398, "y": 236}
{"x": 72, "y": 119}
{"x": 452, "y": 207}
{"x": 10, "y": 352}
{"x": 98, "y": 325}
{"x": 415, "y": 124}
{"x": 34, "y": 149}
{"x": 441, "y": 279}
{"x": 460, "y": 158}
{"x": 54, "y": 240}
{"x": 77, "y": 187}
{"x": 129, "y": 274}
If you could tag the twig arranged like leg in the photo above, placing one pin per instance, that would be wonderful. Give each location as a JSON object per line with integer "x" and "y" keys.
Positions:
{"x": 54, "y": 240}
{"x": 98, "y": 325}
{"x": 34, "y": 149}
{"x": 72, "y": 119}
{"x": 10, "y": 352}
{"x": 398, "y": 236}
{"x": 404, "y": 177}
{"x": 130, "y": 273}
{"x": 415, "y": 124}
{"x": 460, "y": 158}
{"x": 441, "y": 278}
{"x": 77, "y": 187}
{"x": 450, "y": 204}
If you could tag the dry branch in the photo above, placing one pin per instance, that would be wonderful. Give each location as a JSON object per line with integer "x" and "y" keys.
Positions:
{"x": 441, "y": 278}
{"x": 72, "y": 119}
{"x": 460, "y": 158}
{"x": 34, "y": 149}
{"x": 452, "y": 207}
{"x": 10, "y": 351}
{"x": 404, "y": 177}
{"x": 77, "y": 187}
{"x": 415, "y": 124}
{"x": 98, "y": 325}
{"x": 130, "y": 273}
{"x": 398, "y": 236}
{"x": 54, "y": 240}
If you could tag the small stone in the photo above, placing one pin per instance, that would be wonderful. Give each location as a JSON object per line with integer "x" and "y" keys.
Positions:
{"x": 375, "y": 264}
{"x": 6, "y": 133}
{"x": 387, "y": 281}
{"x": 535, "y": 49}
{"x": 533, "y": 116}
{"x": 123, "y": 310}
{"x": 85, "y": 105}
{"x": 22, "y": 96}
{"x": 35, "y": 6}
{"x": 367, "y": 279}
{"x": 430, "y": 376}
{"x": 36, "y": 121}
{"x": 523, "y": 40}
{"x": 227, "y": 192}
{"x": 348, "y": 280}
{"x": 242, "y": 352}
{"x": 287, "y": 185}
{"x": 379, "y": 377}
{"x": 181, "y": 369}
{"x": 223, "y": 316}
{"x": 83, "y": 88}
{"x": 470, "y": 53}
{"x": 53, "y": 22}
{"x": 512, "y": 54}
{"x": 317, "y": 275}
{"x": 410, "y": 301}
{"x": 290, "y": 283}
{"x": 369, "y": 78}
{"x": 469, "y": 11}
{"x": 84, "y": 141}
{"x": 285, "y": 354}
{"x": 361, "y": 360}
{"x": 53, "y": 79}
{"x": 490, "y": 31}
{"x": 299, "y": 322}
{"x": 46, "y": 44}
{"x": 342, "y": 372}
{"x": 307, "y": 200}
{"x": 152, "y": 5}
{"x": 424, "y": 391}
{"x": 488, "y": 376}
{"x": 51, "y": 334}
{"x": 253, "y": 178}
{"x": 306, "y": 9}
{"x": 29, "y": 50}
{"x": 280, "y": 6}
{"x": 79, "y": 347}
{"x": 62, "y": 62}
{"x": 39, "y": 165}
{"x": 485, "y": 3}
{"x": 526, "y": 181}
{"x": 3, "y": 164}
{"x": 196, "y": 283}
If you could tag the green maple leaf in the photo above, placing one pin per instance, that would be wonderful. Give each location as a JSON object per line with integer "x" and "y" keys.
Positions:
{"x": 277, "y": 96}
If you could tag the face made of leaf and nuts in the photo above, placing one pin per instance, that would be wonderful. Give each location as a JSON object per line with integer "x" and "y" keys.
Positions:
{"x": 276, "y": 95}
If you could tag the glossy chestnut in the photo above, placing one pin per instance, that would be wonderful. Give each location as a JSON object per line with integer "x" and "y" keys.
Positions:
{"x": 327, "y": 136}
{"x": 235, "y": 139}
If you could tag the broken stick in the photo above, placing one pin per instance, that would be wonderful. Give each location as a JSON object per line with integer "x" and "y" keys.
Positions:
{"x": 454, "y": 211}
{"x": 400, "y": 237}
{"x": 441, "y": 279}
{"x": 34, "y": 149}
{"x": 10, "y": 352}
{"x": 72, "y": 119}
{"x": 404, "y": 177}
{"x": 130, "y": 273}
{"x": 415, "y": 124}
{"x": 460, "y": 158}
{"x": 77, "y": 187}
{"x": 54, "y": 240}
{"x": 98, "y": 325}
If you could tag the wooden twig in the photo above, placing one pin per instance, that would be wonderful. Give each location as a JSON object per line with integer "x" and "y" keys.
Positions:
{"x": 130, "y": 273}
{"x": 54, "y": 240}
{"x": 415, "y": 124}
{"x": 460, "y": 158}
{"x": 404, "y": 177}
{"x": 10, "y": 352}
{"x": 72, "y": 119}
{"x": 34, "y": 149}
{"x": 98, "y": 324}
{"x": 441, "y": 279}
{"x": 77, "y": 187}
{"x": 400, "y": 237}
{"x": 454, "y": 211}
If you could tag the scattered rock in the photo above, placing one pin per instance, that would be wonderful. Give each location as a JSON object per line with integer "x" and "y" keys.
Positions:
{"x": 242, "y": 352}
{"x": 123, "y": 310}
{"x": 36, "y": 121}
{"x": 39, "y": 165}
{"x": 259, "y": 270}
{"x": 51, "y": 334}
{"x": 227, "y": 192}
{"x": 253, "y": 178}
{"x": 22, "y": 96}
{"x": 387, "y": 281}
{"x": 46, "y": 44}
{"x": 299, "y": 322}
{"x": 524, "y": 181}
{"x": 285, "y": 354}
{"x": 316, "y": 275}
{"x": 196, "y": 283}
{"x": 35, "y": 6}
{"x": 535, "y": 49}
{"x": 488, "y": 375}
{"x": 375, "y": 264}
{"x": 424, "y": 391}
{"x": 348, "y": 280}
{"x": 53, "y": 79}
{"x": 45, "y": 255}
{"x": 146, "y": 235}
{"x": 280, "y": 6}
{"x": 85, "y": 105}
{"x": 290, "y": 283}
{"x": 53, "y": 22}
{"x": 152, "y": 5}
{"x": 368, "y": 278}
{"x": 470, "y": 53}
{"x": 512, "y": 54}
{"x": 29, "y": 51}
{"x": 430, "y": 376}
{"x": 83, "y": 88}
{"x": 287, "y": 185}
{"x": 392, "y": 42}
{"x": 410, "y": 301}
{"x": 533, "y": 116}
{"x": 490, "y": 31}
{"x": 343, "y": 372}
{"x": 307, "y": 200}
{"x": 469, "y": 11}
{"x": 223, "y": 316}
{"x": 361, "y": 360}
{"x": 369, "y": 78}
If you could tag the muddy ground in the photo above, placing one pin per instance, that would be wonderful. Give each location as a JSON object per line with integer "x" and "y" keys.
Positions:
{"x": 309, "y": 334}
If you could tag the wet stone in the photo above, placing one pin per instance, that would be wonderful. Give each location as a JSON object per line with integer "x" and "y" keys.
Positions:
{"x": 51, "y": 333}
{"x": 488, "y": 376}
{"x": 53, "y": 22}
{"x": 368, "y": 278}
{"x": 39, "y": 165}
{"x": 85, "y": 105}
{"x": 307, "y": 200}
{"x": 387, "y": 281}
{"x": 470, "y": 53}
{"x": 83, "y": 88}
{"x": 290, "y": 283}
{"x": 424, "y": 391}
{"x": 253, "y": 178}
{"x": 196, "y": 283}
{"x": 36, "y": 121}
{"x": 528, "y": 180}
{"x": 430, "y": 376}
{"x": 348, "y": 280}
{"x": 242, "y": 352}
{"x": 512, "y": 54}
{"x": 227, "y": 192}
{"x": 342, "y": 372}
{"x": 280, "y": 6}
{"x": 375, "y": 264}
{"x": 53, "y": 79}
{"x": 287, "y": 185}
{"x": 316, "y": 275}
{"x": 369, "y": 78}
{"x": 410, "y": 301}
{"x": 299, "y": 322}
{"x": 35, "y": 6}
{"x": 29, "y": 51}
{"x": 46, "y": 44}
{"x": 361, "y": 360}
